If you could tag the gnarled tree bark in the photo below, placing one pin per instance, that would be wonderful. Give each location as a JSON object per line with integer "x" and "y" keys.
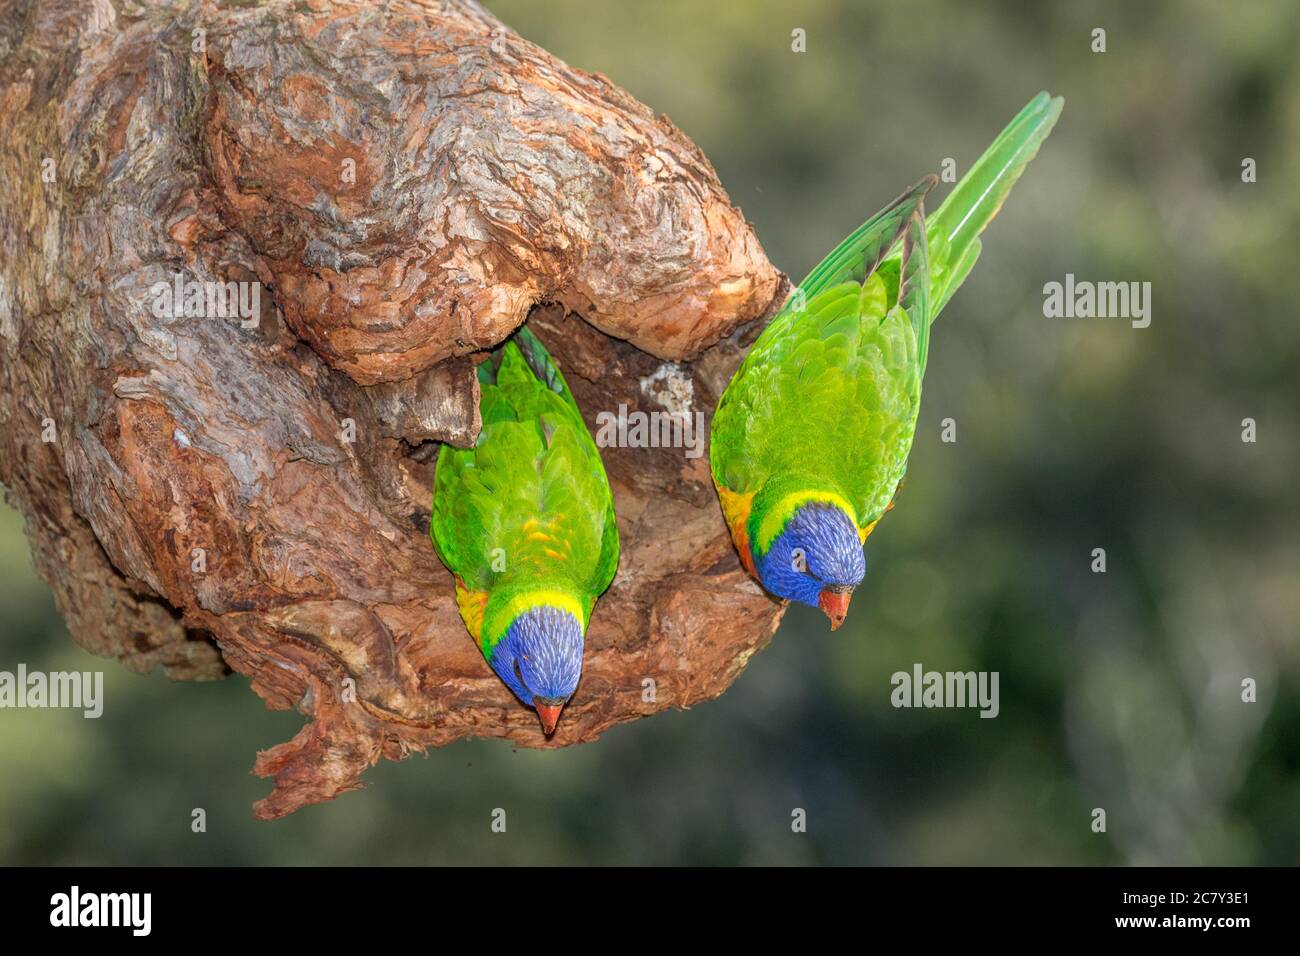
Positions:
{"x": 402, "y": 185}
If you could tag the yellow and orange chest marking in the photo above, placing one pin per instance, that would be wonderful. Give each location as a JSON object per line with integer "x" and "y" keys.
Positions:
{"x": 735, "y": 511}
{"x": 472, "y": 604}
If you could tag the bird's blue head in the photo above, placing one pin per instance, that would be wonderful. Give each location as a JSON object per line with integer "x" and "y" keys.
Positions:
{"x": 540, "y": 659}
{"x": 816, "y": 560}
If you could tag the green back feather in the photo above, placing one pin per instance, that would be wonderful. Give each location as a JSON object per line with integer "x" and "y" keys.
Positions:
{"x": 827, "y": 399}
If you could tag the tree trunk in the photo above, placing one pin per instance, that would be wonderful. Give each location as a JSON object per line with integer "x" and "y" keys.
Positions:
{"x": 400, "y": 186}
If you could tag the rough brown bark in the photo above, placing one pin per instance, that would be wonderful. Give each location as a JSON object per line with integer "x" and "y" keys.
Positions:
{"x": 491, "y": 182}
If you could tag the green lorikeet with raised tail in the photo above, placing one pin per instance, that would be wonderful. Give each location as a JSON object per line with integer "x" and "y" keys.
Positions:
{"x": 811, "y": 437}
{"x": 525, "y": 521}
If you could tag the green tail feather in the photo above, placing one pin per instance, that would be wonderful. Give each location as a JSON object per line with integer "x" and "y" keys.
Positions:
{"x": 539, "y": 361}
{"x": 954, "y": 228}
{"x": 542, "y": 364}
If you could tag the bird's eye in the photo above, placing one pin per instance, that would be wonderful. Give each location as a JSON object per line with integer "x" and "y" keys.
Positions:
{"x": 799, "y": 560}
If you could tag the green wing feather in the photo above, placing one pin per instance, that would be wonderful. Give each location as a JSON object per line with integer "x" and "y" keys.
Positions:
{"x": 914, "y": 284}
{"x": 529, "y": 506}
{"x": 862, "y": 250}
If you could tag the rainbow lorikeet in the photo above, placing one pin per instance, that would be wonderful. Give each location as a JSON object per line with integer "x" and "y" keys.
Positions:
{"x": 525, "y": 521}
{"x": 811, "y": 437}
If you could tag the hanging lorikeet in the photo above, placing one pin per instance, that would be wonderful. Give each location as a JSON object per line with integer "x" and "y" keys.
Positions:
{"x": 811, "y": 437}
{"x": 525, "y": 521}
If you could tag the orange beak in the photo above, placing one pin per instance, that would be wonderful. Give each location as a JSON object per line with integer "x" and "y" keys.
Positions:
{"x": 550, "y": 715}
{"x": 835, "y": 605}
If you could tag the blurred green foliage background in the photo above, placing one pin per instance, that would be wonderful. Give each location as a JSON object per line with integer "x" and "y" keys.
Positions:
{"x": 1118, "y": 690}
